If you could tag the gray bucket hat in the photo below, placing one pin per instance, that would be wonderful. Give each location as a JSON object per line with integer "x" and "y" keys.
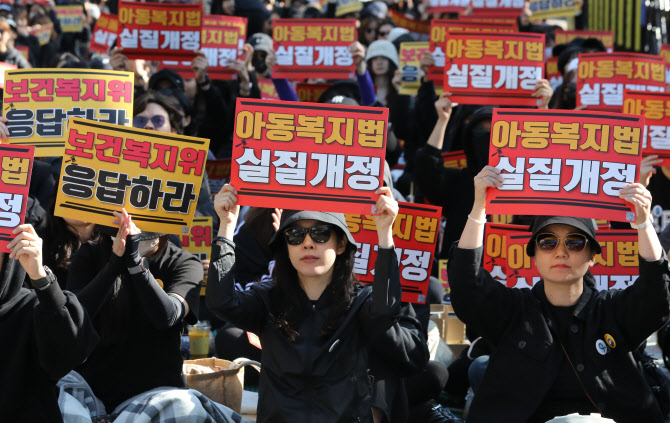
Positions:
{"x": 587, "y": 226}
{"x": 288, "y": 217}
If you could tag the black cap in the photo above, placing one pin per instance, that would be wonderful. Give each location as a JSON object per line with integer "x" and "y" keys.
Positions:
{"x": 587, "y": 226}
{"x": 166, "y": 74}
{"x": 288, "y": 217}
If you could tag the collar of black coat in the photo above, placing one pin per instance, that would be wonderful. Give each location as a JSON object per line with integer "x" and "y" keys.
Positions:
{"x": 580, "y": 307}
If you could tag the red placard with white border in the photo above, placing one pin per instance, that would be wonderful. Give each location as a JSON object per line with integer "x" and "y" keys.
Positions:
{"x": 16, "y": 163}
{"x": 308, "y": 156}
{"x": 603, "y": 77}
{"x": 495, "y": 69}
{"x": 415, "y": 233}
{"x": 607, "y": 37}
{"x": 447, "y": 6}
{"x": 438, "y": 36}
{"x": 655, "y": 107}
{"x": 665, "y": 54}
{"x": 313, "y": 48}
{"x": 552, "y": 73}
{"x": 566, "y": 163}
{"x": 156, "y": 31}
{"x": 106, "y": 31}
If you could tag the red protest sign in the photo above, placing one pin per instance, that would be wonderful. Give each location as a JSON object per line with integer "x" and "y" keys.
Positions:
{"x": 16, "y": 165}
{"x": 567, "y": 163}
{"x": 412, "y": 25}
{"x": 617, "y": 267}
{"x": 415, "y": 233}
{"x": 495, "y": 18}
{"x": 438, "y": 36}
{"x": 154, "y": 31}
{"x": 105, "y": 33}
{"x": 218, "y": 174}
{"x": 655, "y": 107}
{"x": 313, "y": 48}
{"x": 494, "y": 5}
{"x": 447, "y": 6}
{"x": 665, "y": 54}
{"x": 310, "y": 93}
{"x": 267, "y": 88}
{"x": 552, "y": 74}
{"x": 500, "y": 69}
{"x": 455, "y": 159}
{"x": 607, "y": 37}
{"x": 306, "y": 156}
{"x": 603, "y": 77}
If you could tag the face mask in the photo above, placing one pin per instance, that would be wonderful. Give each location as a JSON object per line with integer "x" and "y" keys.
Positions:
{"x": 259, "y": 65}
{"x": 480, "y": 141}
{"x": 146, "y": 246}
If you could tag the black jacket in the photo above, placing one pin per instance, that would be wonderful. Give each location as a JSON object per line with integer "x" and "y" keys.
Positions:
{"x": 518, "y": 322}
{"x": 43, "y": 335}
{"x": 308, "y": 380}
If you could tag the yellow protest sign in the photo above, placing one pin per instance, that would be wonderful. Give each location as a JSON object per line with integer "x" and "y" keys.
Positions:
{"x": 71, "y": 18}
{"x": 199, "y": 242}
{"x": 154, "y": 175}
{"x": 410, "y": 55}
{"x": 38, "y": 102}
{"x": 42, "y": 33}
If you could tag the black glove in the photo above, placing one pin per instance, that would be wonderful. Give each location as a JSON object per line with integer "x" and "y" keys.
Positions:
{"x": 131, "y": 255}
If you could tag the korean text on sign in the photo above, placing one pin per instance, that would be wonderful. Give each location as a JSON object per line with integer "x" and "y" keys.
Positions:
{"x": 655, "y": 107}
{"x": 199, "y": 242}
{"x": 665, "y": 54}
{"x": 607, "y": 37}
{"x": 498, "y": 69}
{"x": 222, "y": 42}
{"x": 415, "y": 233}
{"x": 603, "y": 77}
{"x": 267, "y": 89}
{"x": 310, "y": 93}
{"x": 564, "y": 162}
{"x": 543, "y": 9}
{"x": 154, "y": 31}
{"x": 410, "y": 56}
{"x": 71, "y": 18}
{"x": 498, "y": 4}
{"x": 438, "y": 36}
{"x": 155, "y": 176}
{"x": 16, "y": 165}
{"x": 106, "y": 31}
{"x": 448, "y": 6}
{"x": 307, "y": 156}
{"x": 38, "y": 102}
{"x": 313, "y": 48}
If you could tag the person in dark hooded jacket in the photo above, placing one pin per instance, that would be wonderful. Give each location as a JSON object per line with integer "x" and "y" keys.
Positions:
{"x": 453, "y": 189}
{"x": 45, "y": 333}
{"x": 312, "y": 326}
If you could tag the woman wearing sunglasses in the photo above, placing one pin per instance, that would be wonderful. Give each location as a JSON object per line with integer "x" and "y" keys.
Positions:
{"x": 312, "y": 326}
{"x": 562, "y": 347}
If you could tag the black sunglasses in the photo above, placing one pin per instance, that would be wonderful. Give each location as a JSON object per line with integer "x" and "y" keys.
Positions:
{"x": 141, "y": 121}
{"x": 383, "y": 33}
{"x": 573, "y": 242}
{"x": 318, "y": 234}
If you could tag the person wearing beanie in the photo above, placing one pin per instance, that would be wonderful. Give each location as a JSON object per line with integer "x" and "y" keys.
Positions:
{"x": 313, "y": 326}
{"x": 561, "y": 347}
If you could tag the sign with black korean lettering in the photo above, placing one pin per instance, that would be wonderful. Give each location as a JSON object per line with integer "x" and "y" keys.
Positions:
{"x": 415, "y": 233}
{"x": 308, "y": 156}
{"x": 16, "y": 165}
{"x": 199, "y": 243}
{"x": 155, "y": 176}
{"x": 567, "y": 163}
{"x": 38, "y": 103}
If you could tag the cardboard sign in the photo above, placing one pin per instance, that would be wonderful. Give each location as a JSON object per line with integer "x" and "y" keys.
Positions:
{"x": 307, "y": 156}
{"x": 71, "y": 18}
{"x": 310, "y": 93}
{"x": 106, "y": 31}
{"x": 218, "y": 174}
{"x": 506, "y": 260}
{"x": 154, "y": 31}
{"x": 415, "y": 26}
{"x": 16, "y": 165}
{"x": 410, "y": 66}
{"x": 438, "y": 37}
{"x": 267, "y": 88}
{"x": 344, "y": 7}
{"x": 603, "y": 77}
{"x": 155, "y": 176}
{"x": 38, "y": 103}
{"x": 3, "y": 67}
{"x": 221, "y": 42}
{"x": 455, "y": 159}
{"x": 447, "y": 6}
{"x": 313, "y": 48}
{"x": 665, "y": 54}
{"x": 415, "y": 232}
{"x": 552, "y": 74}
{"x": 566, "y": 163}
{"x": 655, "y": 107}
{"x": 543, "y": 9}
{"x": 607, "y": 37}
{"x": 199, "y": 243}
{"x": 42, "y": 33}
{"x": 507, "y": 5}
{"x": 496, "y": 69}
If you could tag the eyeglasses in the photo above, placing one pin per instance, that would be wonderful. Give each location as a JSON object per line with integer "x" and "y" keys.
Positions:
{"x": 383, "y": 33}
{"x": 318, "y": 234}
{"x": 141, "y": 121}
{"x": 573, "y": 242}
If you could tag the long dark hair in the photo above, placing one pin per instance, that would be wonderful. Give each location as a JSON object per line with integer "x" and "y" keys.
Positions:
{"x": 287, "y": 301}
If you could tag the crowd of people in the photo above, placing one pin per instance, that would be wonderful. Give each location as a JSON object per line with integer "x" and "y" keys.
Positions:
{"x": 92, "y": 316}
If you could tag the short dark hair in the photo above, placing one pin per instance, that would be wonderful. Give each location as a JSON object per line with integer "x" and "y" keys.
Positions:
{"x": 168, "y": 103}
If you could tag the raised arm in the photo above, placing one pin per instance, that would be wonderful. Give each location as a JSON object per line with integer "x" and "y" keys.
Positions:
{"x": 649, "y": 247}
{"x": 473, "y": 234}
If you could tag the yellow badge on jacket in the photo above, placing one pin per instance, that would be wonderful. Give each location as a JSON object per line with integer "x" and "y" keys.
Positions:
{"x": 610, "y": 340}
